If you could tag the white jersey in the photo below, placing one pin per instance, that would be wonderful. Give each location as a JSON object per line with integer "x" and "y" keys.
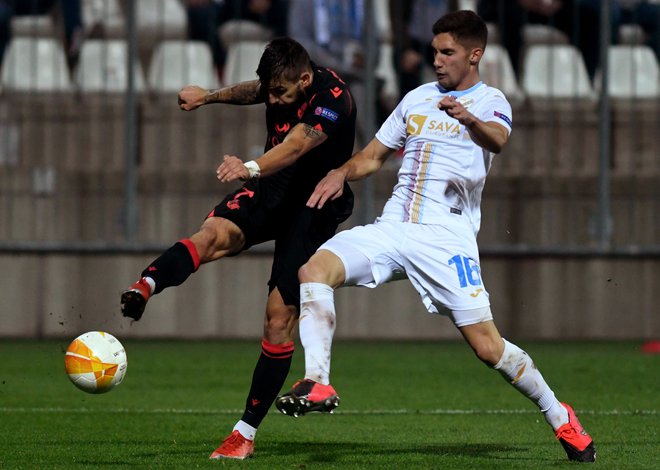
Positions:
{"x": 443, "y": 171}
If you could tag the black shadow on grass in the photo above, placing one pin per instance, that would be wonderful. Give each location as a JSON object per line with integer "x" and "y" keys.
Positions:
{"x": 334, "y": 451}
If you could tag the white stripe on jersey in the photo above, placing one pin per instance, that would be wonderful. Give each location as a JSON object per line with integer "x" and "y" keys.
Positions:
{"x": 443, "y": 171}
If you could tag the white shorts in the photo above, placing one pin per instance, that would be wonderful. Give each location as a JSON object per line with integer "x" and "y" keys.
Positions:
{"x": 441, "y": 263}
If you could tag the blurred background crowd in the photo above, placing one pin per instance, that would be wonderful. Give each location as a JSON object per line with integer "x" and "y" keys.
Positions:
{"x": 334, "y": 31}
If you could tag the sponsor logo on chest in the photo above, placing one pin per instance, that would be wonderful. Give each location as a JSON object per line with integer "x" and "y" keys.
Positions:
{"x": 420, "y": 124}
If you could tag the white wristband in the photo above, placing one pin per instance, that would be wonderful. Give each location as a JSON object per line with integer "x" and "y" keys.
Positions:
{"x": 253, "y": 168}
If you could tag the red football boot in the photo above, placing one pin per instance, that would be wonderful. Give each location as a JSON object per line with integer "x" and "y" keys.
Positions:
{"x": 234, "y": 447}
{"x": 576, "y": 442}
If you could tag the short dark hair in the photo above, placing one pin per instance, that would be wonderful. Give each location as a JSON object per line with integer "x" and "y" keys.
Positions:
{"x": 465, "y": 26}
{"x": 283, "y": 59}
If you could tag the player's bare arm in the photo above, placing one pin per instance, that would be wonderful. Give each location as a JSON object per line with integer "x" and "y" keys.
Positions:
{"x": 487, "y": 135}
{"x": 244, "y": 93}
{"x": 300, "y": 140}
{"x": 365, "y": 162}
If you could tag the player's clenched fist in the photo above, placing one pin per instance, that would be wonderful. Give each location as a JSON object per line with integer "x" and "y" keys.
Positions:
{"x": 455, "y": 109}
{"x": 192, "y": 97}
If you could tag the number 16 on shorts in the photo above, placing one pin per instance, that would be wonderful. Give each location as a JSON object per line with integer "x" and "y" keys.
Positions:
{"x": 467, "y": 269}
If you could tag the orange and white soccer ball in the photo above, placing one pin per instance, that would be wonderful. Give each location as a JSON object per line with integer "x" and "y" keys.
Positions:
{"x": 96, "y": 362}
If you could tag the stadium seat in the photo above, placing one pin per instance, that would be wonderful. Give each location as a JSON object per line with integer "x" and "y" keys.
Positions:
{"x": 467, "y": 5}
{"x": 543, "y": 34}
{"x": 496, "y": 70}
{"x": 179, "y": 63}
{"x": 633, "y": 72}
{"x": 35, "y": 65}
{"x": 106, "y": 15}
{"x": 156, "y": 21}
{"x": 242, "y": 61}
{"x": 33, "y": 26}
{"x": 555, "y": 71}
{"x": 242, "y": 30}
{"x": 103, "y": 67}
{"x": 165, "y": 18}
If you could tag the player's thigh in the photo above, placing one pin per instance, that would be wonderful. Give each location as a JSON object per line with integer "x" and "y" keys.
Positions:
{"x": 253, "y": 210}
{"x": 301, "y": 234}
{"x": 443, "y": 266}
{"x": 369, "y": 254}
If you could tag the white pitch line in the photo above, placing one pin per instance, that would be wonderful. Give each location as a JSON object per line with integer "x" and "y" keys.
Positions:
{"x": 192, "y": 411}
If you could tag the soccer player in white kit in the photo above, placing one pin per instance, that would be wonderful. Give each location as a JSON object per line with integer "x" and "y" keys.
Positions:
{"x": 450, "y": 131}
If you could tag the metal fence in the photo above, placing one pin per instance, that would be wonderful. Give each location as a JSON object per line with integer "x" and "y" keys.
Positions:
{"x": 98, "y": 157}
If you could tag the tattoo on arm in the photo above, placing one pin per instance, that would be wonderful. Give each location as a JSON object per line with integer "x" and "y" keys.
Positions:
{"x": 241, "y": 93}
{"x": 311, "y": 133}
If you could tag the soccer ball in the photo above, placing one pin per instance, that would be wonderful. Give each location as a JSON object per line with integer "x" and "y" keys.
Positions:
{"x": 95, "y": 362}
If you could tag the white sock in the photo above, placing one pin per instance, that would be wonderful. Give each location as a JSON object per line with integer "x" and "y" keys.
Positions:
{"x": 247, "y": 431}
{"x": 519, "y": 369}
{"x": 152, "y": 284}
{"x": 317, "y": 327}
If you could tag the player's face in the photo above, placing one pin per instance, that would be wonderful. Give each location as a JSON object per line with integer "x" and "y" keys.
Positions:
{"x": 285, "y": 93}
{"x": 454, "y": 64}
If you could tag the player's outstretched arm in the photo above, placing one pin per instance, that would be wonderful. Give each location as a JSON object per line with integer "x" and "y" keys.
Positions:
{"x": 192, "y": 97}
{"x": 365, "y": 162}
{"x": 300, "y": 140}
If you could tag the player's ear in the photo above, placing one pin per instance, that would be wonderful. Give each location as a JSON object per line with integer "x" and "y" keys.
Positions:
{"x": 475, "y": 55}
{"x": 306, "y": 79}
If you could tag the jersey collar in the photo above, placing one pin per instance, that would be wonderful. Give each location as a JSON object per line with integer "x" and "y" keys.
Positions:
{"x": 458, "y": 94}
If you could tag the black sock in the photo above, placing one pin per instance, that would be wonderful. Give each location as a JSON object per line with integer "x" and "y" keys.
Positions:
{"x": 174, "y": 266}
{"x": 269, "y": 376}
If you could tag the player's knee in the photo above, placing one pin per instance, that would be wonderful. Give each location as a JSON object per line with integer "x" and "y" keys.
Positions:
{"x": 310, "y": 272}
{"x": 216, "y": 238}
{"x": 488, "y": 351}
{"x": 324, "y": 267}
{"x": 279, "y": 324}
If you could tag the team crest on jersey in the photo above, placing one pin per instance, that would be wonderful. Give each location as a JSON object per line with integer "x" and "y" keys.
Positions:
{"x": 466, "y": 102}
{"x": 326, "y": 113}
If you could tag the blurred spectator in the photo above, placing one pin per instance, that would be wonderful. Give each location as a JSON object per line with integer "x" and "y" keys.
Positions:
{"x": 71, "y": 17}
{"x": 412, "y": 23}
{"x": 646, "y": 14}
{"x": 332, "y": 31}
{"x": 220, "y": 22}
{"x": 578, "y": 19}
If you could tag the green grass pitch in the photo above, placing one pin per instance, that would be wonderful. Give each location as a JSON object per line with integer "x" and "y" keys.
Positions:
{"x": 405, "y": 405}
